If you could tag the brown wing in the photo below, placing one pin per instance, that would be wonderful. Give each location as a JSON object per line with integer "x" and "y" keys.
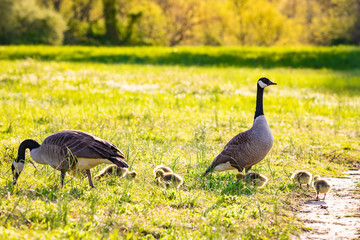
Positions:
{"x": 240, "y": 139}
{"x": 231, "y": 148}
{"x": 84, "y": 145}
{"x": 223, "y": 157}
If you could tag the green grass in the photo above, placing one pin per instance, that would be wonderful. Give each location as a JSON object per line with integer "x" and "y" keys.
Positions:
{"x": 174, "y": 107}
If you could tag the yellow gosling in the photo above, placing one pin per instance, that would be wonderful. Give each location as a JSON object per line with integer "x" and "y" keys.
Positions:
{"x": 117, "y": 171}
{"x": 168, "y": 179}
{"x": 321, "y": 185}
{"x": 256, "y": 179}
{"x": 130, "y": 175}
{"x": 302, "y": 177}
{"x": 163, "y": 168}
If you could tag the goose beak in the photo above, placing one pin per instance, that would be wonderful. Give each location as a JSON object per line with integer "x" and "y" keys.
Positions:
{"x": 272, "y": 83}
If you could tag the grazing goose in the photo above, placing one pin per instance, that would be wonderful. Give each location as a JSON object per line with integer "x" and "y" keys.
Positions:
{"x": 302, "y": 177}
{"x": 162, "y": 167}
{"x": 250, "y": 147}
{"x": 168, "y": 179}
{"x": 115, "y": 170}
{"x": 256, "y": 179}
{"x": 69, "y": 150}
{"x": 321, "y": 185}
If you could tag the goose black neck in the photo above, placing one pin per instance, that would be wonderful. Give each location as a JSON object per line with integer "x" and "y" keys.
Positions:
{"x": 259, "y": 102}
{"x": 30, "y": 144}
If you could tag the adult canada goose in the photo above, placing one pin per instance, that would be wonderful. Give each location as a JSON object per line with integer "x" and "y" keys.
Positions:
{"x": 162, "y": 167}
{"x": 256, "y": 179}
{"x": 69, "y": 150}
{"x": 302, "y": 177}
{"x": 250, "y": 147}
{"x": 115, "y": 170}
{"x": 321, "y": 185}
{"x": 169, "y": 179}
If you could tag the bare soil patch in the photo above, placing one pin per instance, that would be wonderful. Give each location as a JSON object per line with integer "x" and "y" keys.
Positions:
{"x": 338, "y": 216}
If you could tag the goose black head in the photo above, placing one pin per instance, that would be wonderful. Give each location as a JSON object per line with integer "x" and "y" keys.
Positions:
{"x": 264, "y": 82}
{"x": 16, "y": 168}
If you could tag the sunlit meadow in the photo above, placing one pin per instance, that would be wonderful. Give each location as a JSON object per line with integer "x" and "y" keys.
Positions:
{"x": 179, "y": 107}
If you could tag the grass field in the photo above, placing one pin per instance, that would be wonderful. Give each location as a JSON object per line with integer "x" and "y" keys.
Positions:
{"x": 179, "y": 107}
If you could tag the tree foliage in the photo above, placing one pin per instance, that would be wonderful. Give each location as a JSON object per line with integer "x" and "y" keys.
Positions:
{"x": 183, "y": 22}
{"x": 23, "y": 22}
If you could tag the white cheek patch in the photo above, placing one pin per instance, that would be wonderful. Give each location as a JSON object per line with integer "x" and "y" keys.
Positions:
{"x": 262, "y": 84}
{"x": 18, "y": 166}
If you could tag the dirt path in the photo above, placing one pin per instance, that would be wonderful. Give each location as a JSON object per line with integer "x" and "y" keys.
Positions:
{"x": 338, "y": 217}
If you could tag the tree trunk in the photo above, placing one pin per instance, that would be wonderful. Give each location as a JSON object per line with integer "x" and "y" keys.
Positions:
{"x": 57, "y": 4}
{"x": 111, "y": 26}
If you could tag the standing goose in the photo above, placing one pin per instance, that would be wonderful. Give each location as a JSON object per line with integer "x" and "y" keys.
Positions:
{"x": 69, "y": 150}
{"x": 250, "y": 147}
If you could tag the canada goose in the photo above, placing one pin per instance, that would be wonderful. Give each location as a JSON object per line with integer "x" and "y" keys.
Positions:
{"x": 168, "y": 179}
{"x": 69, "y": 150}
{"x": 115, "y": 170}
{"x": 302, "y": 177}
{"x": 250, "y": 147}
{"x": 256, "y": 179}
{"x": 321, "y": 185}
{"x": 162, "y": 167}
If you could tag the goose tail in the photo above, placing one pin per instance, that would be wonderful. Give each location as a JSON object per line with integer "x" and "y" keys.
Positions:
{"x": 119, "y": 162}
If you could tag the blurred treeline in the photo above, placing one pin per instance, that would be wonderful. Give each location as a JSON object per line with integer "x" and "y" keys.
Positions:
{"x": 180, "y": 22}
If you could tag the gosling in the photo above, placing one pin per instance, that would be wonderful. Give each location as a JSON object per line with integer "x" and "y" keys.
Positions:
{"x": 115, "y": 170}
{"x": 302, "y": 177}
{"x": 321, "y": 185}
{"x": 162, "y": 167}
{"x": 168, "y": 179}
{"x": 256, "y": 179}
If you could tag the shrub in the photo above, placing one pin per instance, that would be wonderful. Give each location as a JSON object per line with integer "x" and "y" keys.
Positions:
{"x": 23, "y": 22}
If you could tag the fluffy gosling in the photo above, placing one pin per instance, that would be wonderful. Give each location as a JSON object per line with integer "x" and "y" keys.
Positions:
{"x": 168, "y": 179}
{"x": 302, "y": 177}
{"x": 162, "y": 167}
{"x": 115, "y": 170}
{"x": 321, "y": 185}
{"x": 256, "y": 179}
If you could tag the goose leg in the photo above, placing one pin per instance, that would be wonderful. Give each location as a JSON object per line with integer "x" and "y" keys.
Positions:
{"x": 88, "y": 173}
{"x": 247, "y": 169}
{"x": 324, "y": 196}
{"x": 307, "y": 186}
{"x": 62, "y": 176}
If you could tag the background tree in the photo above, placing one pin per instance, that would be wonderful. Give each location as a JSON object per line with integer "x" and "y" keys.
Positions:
{"x": 23, "y": 22}
{"x": 181, "y": 22}
{"x": 111, "y": 23}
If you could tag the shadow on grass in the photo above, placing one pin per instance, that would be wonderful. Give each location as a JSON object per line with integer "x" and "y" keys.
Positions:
{"x": 336, "y": 58}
